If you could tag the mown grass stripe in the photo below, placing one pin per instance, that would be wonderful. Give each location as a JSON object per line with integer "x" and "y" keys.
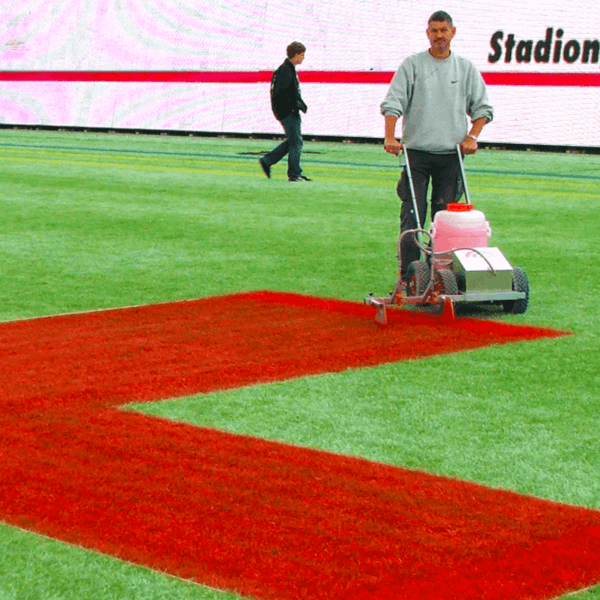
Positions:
{"x": 253, "y": 158}
{"x": 220, "y": 167}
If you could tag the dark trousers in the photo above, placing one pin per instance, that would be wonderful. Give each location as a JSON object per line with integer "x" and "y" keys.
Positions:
{"x": 446, "y": 187}
{"x": 292, "y": 146}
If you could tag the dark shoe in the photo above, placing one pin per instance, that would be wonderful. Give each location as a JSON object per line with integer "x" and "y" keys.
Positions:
{"x": 299, "y": 179}
{"x": 265, "y": 167}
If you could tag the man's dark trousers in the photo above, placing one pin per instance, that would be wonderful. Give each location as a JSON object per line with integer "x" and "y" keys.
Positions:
{"x": 291, "y": 146}
{"x": 446, "y": 187}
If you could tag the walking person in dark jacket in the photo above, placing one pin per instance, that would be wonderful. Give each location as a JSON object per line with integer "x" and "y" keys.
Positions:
{"x": 287, "y": 103}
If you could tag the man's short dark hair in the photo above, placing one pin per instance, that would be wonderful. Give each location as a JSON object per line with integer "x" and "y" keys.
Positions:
{"x": 439, "y": 16}
{"x": 295, "y": 48}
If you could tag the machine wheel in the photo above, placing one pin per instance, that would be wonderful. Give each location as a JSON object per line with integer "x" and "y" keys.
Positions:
{"x": 520, "y": 284}
{"x": 417, "y": 275}
{"x": 445, "y": 279}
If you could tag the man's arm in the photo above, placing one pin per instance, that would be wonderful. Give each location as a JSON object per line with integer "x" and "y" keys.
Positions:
{"x": 469, "y": 145}
{"x": 391, "y": 144}
{"x": 282, "y": 91}
{"x": 396, "y": 103}
{"x": 479, "y": 109}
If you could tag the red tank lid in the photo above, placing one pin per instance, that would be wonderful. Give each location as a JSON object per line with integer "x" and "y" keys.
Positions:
{"x": 459, "y": 207}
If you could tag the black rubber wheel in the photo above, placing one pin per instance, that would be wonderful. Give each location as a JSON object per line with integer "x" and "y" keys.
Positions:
{"x": 446, "y": 281}
{"x": 417, "y": 277}
{"x": 520, "y": 284}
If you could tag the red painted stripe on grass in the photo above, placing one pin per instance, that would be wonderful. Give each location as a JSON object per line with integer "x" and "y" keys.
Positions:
{"x": 329, "y": 77}
{"x": 266, "y": 519}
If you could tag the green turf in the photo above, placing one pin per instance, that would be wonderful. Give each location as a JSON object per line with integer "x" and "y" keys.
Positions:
{"x": 34, "y": 568}
{"x": 95, "y": 221}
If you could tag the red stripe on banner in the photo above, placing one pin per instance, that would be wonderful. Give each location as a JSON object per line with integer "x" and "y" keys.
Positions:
{"x": 352, "y": 77}
{"x": 370, "y": 77}
{"x": 140, "y": 76}
{"x": 543, "y": 79}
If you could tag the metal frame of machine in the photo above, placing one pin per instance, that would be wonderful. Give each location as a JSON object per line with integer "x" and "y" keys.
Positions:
{"x": 442, "y": 279}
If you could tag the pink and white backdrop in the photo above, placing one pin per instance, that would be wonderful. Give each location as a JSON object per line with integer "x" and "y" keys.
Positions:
{"x": 205, "y": 65}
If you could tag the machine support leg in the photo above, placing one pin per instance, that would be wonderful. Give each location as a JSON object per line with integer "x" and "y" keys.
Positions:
{"x": 448, "y": 315}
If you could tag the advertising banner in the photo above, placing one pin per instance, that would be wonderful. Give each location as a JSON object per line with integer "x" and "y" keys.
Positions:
{"x": 205, "y": 66}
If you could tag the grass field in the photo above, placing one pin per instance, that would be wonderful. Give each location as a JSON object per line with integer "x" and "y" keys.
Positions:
{"x": 95, "y": 221}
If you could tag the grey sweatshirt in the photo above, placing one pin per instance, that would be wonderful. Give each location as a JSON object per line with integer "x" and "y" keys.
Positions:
{"x": 434, "y": 98}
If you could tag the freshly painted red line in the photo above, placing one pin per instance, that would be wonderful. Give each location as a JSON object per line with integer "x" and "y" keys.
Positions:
{"x": 265, "y": 519}
{"x": 329, "y": 77}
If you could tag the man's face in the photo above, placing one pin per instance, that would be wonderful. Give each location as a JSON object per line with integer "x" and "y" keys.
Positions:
{"x": 440, "y": 34}
{"x": 297, "y": 59}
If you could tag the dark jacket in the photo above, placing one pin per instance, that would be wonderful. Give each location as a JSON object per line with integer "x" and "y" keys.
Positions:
{"x": 285, "y": 91}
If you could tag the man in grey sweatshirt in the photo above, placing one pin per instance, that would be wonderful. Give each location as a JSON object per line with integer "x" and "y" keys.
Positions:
{"x": 434, "y": 92}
